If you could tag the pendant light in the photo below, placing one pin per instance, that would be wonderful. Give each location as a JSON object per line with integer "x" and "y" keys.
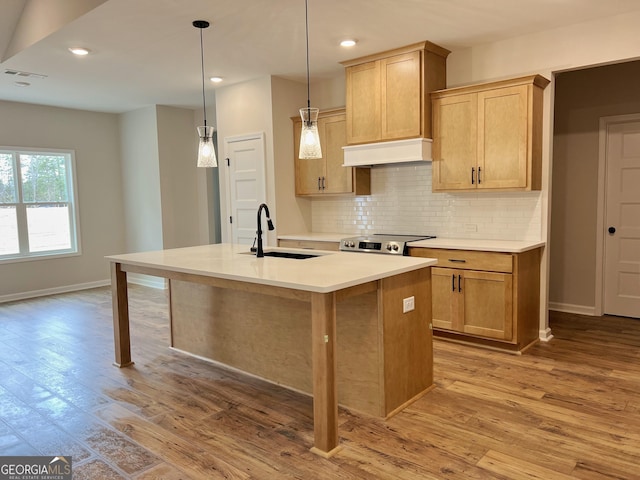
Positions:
{"x": 206, "y": 150}
{"x": 309, "y": 137}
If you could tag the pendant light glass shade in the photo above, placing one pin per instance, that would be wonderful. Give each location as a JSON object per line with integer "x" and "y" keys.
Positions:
{"x": 206, "y": 151}
{"x": 309, "y": 138}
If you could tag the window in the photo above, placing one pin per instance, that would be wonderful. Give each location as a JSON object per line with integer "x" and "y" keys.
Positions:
{"x": 38, "y": 214}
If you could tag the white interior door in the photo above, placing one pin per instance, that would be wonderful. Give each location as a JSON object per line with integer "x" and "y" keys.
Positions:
{"x": 247, "y": 184}
{"x": 622, "y": 220}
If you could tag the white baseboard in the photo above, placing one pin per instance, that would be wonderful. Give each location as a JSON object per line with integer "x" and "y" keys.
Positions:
{"x": 569, "y": 308}
{"x": 545, "y": 335}
{"x": 53, "y": 291}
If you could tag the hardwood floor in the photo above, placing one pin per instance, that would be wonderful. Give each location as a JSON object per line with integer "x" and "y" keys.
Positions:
{"x": 566, "y": 409}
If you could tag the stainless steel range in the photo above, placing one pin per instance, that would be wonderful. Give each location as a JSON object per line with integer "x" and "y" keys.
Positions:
{"x": 381, "y": 243}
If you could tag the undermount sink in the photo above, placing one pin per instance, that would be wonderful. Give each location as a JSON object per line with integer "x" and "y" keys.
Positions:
{"x": 280, "y": 254}
{"x": 297, "y": 256}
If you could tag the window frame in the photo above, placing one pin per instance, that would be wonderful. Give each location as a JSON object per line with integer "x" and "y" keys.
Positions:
{"x": 21, "y": 206}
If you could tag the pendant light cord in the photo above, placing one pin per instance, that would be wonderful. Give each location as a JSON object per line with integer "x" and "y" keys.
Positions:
{"x": 204, "y": 102}
{"x": 306, "y": 22}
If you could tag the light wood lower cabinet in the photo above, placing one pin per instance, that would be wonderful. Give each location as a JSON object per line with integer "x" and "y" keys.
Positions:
{"x": 489, "y": 298}
{"x": 478, "y": 303}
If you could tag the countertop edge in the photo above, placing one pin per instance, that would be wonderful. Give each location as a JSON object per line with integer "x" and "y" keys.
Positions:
{"x": 503, "y": 246}
{"x": 138, "y": 259}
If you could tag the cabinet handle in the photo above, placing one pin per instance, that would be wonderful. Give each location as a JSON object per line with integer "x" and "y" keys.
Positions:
{"x": 459, "y": 283}
{"x": 453, "y": 283}
{"x": 323, "y": 186}
{"x": 479, "y": 179}
{"x": 473, "y": 170}
{"x": 457, "y": 260}
{"x": 319, "y": 184}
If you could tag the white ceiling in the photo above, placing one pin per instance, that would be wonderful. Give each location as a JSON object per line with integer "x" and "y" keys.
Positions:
{"x": 146, "y": 52}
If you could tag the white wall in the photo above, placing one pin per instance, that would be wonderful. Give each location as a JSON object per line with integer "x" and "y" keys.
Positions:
{"x": 242, "y": 109}
{"x": 95, "y": 139}
{"x": 141, "y": 180}
{"x": 265, "y": 105}
{"x": 177, "y": 154}
{"x": 294, "y": 214}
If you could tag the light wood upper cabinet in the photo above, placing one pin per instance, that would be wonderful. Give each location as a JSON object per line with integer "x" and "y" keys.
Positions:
{"x": 326, "y": 175}
{"x": 388, "y": 93}
{"x": 489, "y": 136}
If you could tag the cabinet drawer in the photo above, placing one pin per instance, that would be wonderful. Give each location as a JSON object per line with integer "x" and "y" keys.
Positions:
{"x": 467, "y": 259}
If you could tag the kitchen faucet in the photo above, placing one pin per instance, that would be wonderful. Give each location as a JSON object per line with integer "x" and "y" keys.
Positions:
{"x": 259, "y": 251}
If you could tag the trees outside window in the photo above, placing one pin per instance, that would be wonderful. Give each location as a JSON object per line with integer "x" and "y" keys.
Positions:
{"x": 37, "y": 210}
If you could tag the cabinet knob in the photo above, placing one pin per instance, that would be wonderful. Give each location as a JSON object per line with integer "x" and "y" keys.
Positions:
{"x": 612, "y": 230}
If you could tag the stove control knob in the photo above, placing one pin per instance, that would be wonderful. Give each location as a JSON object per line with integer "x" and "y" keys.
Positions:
{"x": 395, "y": 247}
{"x": 389, "y": 247}
{"x": 349, "y": 244}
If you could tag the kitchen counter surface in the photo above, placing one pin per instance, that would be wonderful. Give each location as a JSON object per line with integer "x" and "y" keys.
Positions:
{"x": 328, "y": 272}
{"x": 317, "y": 237}
{"x": 507, "y": 246}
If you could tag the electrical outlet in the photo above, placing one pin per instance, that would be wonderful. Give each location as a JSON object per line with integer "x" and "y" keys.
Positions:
{"x": 408, "y": 304}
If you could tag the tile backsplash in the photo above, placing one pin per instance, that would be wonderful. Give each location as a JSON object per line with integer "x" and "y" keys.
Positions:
{"x": 402, "y": 202}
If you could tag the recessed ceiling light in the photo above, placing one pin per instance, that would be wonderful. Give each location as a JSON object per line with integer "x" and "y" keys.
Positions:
{"x": 216, "y": 79}
{"x": 80, "y": 51}
{"x": 348, "y": 42}
{"x": 22, "y": 84}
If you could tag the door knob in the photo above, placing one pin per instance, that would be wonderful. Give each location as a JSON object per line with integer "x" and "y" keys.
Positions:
{"x": 612, "y": 230}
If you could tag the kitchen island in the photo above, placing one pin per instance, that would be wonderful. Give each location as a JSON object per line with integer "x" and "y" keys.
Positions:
{"x": 346, "y": 328}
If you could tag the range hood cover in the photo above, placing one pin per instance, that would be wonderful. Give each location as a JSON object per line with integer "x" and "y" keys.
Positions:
{"x": 383, "y": 153}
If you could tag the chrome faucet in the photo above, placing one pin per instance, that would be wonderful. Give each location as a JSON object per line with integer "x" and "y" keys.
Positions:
{"x": 263, "y": 206}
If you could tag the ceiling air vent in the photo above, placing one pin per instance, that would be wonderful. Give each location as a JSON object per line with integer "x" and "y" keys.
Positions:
{"x": 18, "y": 73}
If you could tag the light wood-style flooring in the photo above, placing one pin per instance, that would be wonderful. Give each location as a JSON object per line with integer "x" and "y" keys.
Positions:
{"x": 566, "y": 409}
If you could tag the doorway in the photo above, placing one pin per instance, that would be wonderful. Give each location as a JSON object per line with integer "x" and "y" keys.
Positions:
{"x": 619, "y": 215}
{"x": 578, "y": 230}
{"x": 245, "y": 158}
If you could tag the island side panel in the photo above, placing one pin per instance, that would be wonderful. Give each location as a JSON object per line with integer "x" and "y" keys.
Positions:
{"x": 408, "y": 347}
{"x": 270, "y": 337}
{"x": 260, "y": 334}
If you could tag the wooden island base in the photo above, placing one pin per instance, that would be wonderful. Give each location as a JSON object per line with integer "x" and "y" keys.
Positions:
{"x": 354, "y": 345}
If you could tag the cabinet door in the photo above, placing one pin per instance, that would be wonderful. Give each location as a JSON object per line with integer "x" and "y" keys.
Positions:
{"x": 333, "y": 135}
{"x": 308, "y": 173}
{"x": 444, "y": 298}
{"x": 488, "y": 304}
{"x": 455, "y": 142}
{"x": 363, "y": 102}
{"x": 502, "y": 137}
{"x": 401, "y": 96}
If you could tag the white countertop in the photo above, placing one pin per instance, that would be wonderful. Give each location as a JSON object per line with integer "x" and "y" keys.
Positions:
{"x": 328, "y": 272}
{"x": 507, "y": 246}
{"x": 316, "y": 237}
